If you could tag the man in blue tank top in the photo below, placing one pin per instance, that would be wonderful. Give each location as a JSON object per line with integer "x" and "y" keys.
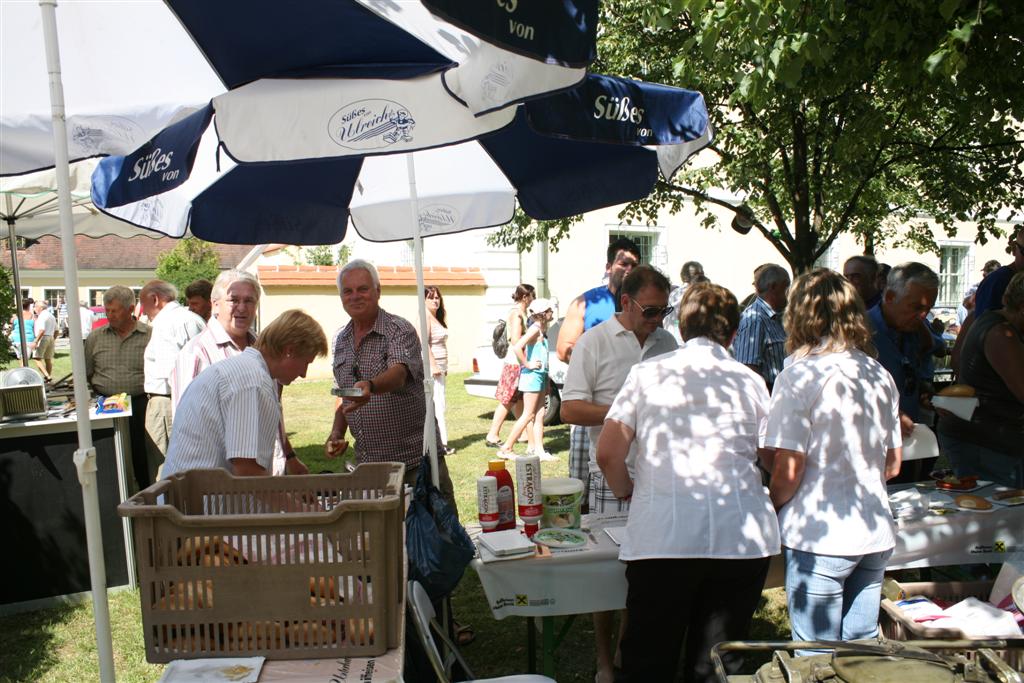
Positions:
{"x": 596, "y": 305}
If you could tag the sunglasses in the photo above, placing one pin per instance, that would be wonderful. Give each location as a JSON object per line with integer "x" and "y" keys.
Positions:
{"x": 652, "y": 312}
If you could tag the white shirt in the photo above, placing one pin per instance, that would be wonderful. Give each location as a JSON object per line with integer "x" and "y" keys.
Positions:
{"x": 46, "y": 324}
{"x": 172, "y": 327}
{"x": 697, "y": 492}
{"x": 600, "y": 361}
{"x": 206, "y": 348}
{"x": 230, "y": 410}
{"x": 85, "y": 315}
{"x": 842, "y": 411}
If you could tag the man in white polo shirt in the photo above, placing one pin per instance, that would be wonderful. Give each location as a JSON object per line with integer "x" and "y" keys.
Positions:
{"x": 600, "y": 362}
{"x": 173, "y": 325}
{"x": 46, "y": 332}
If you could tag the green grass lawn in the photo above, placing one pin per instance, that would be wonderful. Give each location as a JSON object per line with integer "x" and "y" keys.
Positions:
{"x": 58, "y": 644}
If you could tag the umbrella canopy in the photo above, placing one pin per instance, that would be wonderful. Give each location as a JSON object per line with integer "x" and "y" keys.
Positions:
{"x": 28, "y": 203}
{"x": 300, "y": 176}
{"x": 29, "y": 208}
{"x": 554, "y": 32}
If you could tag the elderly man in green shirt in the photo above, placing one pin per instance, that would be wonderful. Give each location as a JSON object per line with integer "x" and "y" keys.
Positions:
{"x": 114, "y": 365}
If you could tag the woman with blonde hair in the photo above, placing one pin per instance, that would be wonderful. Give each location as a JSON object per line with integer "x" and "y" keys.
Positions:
{"x": 230, "y": 416}
{"x": 834, "y": 425}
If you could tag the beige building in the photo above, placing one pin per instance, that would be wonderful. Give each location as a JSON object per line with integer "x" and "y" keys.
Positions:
{"x": 102, "y": 262}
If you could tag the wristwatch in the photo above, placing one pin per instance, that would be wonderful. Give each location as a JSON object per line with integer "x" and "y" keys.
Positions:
{"x": 372, "y": 387}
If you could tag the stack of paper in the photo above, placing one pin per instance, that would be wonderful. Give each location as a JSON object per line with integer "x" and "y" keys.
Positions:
{"x": 507, "y": 542}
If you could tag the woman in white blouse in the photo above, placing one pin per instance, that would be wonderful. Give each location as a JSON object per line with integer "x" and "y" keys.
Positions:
{"x": 701, "y": 527}
{"x": 834, "y": 422}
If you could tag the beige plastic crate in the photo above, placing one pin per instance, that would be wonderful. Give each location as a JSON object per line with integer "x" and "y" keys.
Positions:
{"x": 897, "y": 626}
{"x": 290, "y": 567}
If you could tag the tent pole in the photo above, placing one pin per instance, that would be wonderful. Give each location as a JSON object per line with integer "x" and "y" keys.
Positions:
{"x": 429, "y": 426}
{"x": 85, "y": 456}
{"x": 12, "y": 239}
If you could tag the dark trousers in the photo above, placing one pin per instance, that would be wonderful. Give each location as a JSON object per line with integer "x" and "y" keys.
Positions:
{"x": 697, "y": 601}
{"x": 137, "y": 433}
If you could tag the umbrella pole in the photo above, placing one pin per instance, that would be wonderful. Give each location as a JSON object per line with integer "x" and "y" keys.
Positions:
{"x": 85, "y": 456}
{"x": 429, "y": 426}
{"x": 12, "y": 239}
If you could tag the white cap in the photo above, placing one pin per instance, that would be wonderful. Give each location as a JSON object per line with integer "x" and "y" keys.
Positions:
{"x": 540, "y": 305}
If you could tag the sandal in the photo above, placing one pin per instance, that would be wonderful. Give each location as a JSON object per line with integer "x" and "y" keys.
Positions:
{"x": 506, "y": 455}
{"x": 493, "y": 444}
{"x": 464, "y": 635}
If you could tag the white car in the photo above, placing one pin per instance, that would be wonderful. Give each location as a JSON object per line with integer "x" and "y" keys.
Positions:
{"x": 487, "y": 369}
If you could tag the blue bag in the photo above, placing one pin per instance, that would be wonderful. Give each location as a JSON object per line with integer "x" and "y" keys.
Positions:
{"x": 437, "y": 544}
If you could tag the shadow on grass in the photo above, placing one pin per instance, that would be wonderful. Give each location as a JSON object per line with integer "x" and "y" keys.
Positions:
{"x": 28, "y": 643}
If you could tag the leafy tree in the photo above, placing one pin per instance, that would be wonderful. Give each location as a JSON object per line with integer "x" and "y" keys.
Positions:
{"x": 838, "y": 117}
{"x": 319, "y": 256}
{"x": 7, "y": 310}
{"x": 344, "y": 255}
{"x": 191, "y": 259}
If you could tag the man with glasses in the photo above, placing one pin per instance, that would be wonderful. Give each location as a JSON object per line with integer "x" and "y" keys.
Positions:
{"x": 601, "y": 360}
{"x": 901, "y": 335}
{"x": 379, "y": 354}
{"x": 760, "y": 340}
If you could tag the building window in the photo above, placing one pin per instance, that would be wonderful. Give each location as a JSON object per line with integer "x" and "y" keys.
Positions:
{"x": 953, "y": 269}
{"x": 650, "y": 250}
{"x": 53, "y": 296}
{"x": 96, "y": 294}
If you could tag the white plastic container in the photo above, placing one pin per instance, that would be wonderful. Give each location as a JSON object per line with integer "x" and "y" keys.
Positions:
{"x": 562, "y": 498}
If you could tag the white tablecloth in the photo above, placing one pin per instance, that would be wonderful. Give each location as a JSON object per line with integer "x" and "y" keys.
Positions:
{"x": 594, "y": 580}
{"x": 572, "y": 582}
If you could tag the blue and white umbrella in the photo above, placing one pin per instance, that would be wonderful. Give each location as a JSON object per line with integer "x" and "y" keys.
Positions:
{"x": 301, "y": 157}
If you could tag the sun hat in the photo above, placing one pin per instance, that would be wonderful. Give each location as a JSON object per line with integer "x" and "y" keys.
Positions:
{"x": 540, "y": 305}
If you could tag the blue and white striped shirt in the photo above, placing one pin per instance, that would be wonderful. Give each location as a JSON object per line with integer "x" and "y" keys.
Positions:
{"x": 231, "y": 410}
{"x": 761, "y": 340}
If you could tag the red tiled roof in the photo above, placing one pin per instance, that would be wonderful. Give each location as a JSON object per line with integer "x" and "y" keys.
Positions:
{"x": 111, "y": 253}
{"x": 390, "y": 276}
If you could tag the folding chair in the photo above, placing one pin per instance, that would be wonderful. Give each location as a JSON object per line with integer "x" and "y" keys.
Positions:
{"x": 424, "y": 616}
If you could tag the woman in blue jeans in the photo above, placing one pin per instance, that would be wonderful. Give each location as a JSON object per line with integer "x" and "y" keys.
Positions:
{"x": 834, "y": 425}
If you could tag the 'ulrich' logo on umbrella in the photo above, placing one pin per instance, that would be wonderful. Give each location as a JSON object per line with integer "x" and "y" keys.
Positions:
{"x": 497, "y": 81}
{"x": 371, "y": 124}
{"x": 437, "y": 218}
{"x": 91, "y": 135}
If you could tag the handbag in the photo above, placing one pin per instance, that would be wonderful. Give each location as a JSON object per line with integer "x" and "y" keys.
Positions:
{"x": 437, "y": 545}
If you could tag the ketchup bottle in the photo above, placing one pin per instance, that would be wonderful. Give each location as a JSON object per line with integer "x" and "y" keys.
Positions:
{"x": 506, "y": 494}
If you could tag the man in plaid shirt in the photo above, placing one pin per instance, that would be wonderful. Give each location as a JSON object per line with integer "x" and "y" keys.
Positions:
{"x": 380, "y": 353}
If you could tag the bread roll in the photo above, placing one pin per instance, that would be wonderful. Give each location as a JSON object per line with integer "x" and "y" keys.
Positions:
{"x": 958, "y": 390}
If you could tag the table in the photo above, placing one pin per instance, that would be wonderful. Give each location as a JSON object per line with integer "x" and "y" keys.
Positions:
{"x": 41, "y": 506}
{"x": 387, "y": 668}
{"x": 593, "y": 580}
